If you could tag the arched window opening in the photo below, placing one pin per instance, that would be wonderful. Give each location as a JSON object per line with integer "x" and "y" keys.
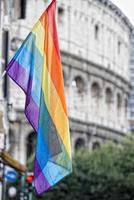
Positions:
{"x": 96, "y": 32}
{"x": 119, "y": 101}
{"x": 95, "y": 90}
{"x": 126, "y": 106}
{"x": 23, "y": 4}
{"x": 80, "y": 143}
{"x": 109, "y": 96}
{"x": 15, "y": 43}
{"x": 60, "y": 14}
{"x": 96, "y": 145}
{"x": 79, "y": 84}
{"x": 119, "y": 47}
{"x": 31, "y": 141}
{"x": 11, "y": 142}
{"x": 60, "y": 11}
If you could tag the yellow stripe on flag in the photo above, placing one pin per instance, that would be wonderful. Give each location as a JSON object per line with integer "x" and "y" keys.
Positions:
{"x": 39, "y": 33}
{"x": 55, "y": 109}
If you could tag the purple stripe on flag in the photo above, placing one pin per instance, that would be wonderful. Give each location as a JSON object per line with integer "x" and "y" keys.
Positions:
{"x": 18, "y": 74}
{"x": 31, "y": 108}
{"x": 40, "y": 182}
{"x": 32, "y": 112}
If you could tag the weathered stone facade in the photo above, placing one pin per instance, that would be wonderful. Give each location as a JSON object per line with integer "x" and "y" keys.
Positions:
{"x": 131, "y": 99}
{"x": 94, "y": 41}
{"x": 4, "y": 25}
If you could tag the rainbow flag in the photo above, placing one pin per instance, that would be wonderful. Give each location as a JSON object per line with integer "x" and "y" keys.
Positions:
{"x": 36, "y": 68}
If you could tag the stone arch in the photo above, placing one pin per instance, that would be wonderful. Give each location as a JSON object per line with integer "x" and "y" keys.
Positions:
{"x": 126, "y": 105}
{"x": 119, "y": 101}
{"x": 95, "y": 90}
{"x": 108, "y": 95}
{"x": 79, "y": 83}
{"x": 80, "y": 143}
{"x": 95, "y": 145}
{"x": 96, "y": 31}
{"x": 119, "y": 47}
{"x": 30, "y": 144}
{"x": 60, "y": 12}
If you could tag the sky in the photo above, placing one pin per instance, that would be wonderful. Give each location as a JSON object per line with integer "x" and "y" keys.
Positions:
{"x": 127, "y": 7}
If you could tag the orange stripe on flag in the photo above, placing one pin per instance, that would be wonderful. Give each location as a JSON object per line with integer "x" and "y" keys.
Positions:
{"x": 53, "y": 62}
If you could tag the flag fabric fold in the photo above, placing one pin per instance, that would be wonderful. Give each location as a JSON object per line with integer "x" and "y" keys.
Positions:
{"x": 36, "y": 68}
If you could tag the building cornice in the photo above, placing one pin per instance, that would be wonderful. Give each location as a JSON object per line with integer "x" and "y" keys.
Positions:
{"x": 96, "y": 130}
{"x": 101, "y": 71}
{"x": 117, "y": 11}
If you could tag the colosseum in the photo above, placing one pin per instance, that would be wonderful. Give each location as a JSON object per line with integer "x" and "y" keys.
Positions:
{"x": 94, "y": 41}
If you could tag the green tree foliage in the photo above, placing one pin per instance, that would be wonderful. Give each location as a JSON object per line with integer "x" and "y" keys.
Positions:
{"x": 104, "y": 174}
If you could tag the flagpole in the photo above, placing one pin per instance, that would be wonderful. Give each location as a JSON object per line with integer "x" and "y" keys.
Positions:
{"x": 5, "y": 96}
{"x": 3, "y": 74}
{"x": 2, "y": 197}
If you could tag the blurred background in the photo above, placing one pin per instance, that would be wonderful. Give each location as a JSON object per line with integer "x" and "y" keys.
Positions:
{"x": 97, "y": 50}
